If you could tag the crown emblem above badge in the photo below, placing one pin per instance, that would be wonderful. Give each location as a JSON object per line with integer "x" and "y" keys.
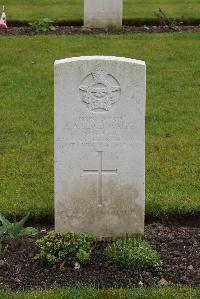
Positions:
{"x": 100, "y": 91}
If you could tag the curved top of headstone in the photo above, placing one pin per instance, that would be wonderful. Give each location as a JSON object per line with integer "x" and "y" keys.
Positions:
{"x": 100, "y": 58}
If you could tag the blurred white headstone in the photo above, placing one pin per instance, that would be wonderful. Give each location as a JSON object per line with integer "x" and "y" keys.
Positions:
{"x": 103, "y": 13}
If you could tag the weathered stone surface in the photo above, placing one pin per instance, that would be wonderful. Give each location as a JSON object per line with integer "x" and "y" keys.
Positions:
{"x": 103, "y": 13}
{"x": 100, "y": 145}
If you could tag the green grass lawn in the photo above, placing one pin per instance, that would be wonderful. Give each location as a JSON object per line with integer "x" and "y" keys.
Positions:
{"x": 90, "y": 293}
{"x": 73, "y": 9}
{"x": 172, "y": 120}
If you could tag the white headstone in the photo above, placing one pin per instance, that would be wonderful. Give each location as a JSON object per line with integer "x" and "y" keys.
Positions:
{"x": 103, "y": 13}
{"x": 100, "y": 145}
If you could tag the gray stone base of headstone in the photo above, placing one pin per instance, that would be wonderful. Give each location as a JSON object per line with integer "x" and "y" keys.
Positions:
{"x": 103, "y": 13}
{"x": 100, "y": 145}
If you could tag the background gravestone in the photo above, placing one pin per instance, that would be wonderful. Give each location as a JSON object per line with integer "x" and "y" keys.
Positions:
{"x": 100, "y": 145}
{"x": 103, "y": 13}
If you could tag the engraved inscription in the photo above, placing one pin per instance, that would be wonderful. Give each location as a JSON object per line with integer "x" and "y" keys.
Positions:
{"x": 99, "y": 91}
{"x": 100, "y": 128}
{"x": 100, "y": 171}
{"x": 98, "y": 122}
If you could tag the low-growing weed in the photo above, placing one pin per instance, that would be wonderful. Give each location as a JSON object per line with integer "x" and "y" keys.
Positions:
{"x": 164, "y": 20}
{"x": 55, "y": 248}
{"x": 133, "y": 252}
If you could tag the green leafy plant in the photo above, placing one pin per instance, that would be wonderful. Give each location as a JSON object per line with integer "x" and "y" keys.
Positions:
{"x": 43, "y": 25}
{"x": 55, "y": 248}
{"x": 133, "y": 252}
{"x": 15, "y": 230}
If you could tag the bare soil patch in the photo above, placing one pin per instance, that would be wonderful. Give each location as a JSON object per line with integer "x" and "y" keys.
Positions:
{"x": 178, "y": 246}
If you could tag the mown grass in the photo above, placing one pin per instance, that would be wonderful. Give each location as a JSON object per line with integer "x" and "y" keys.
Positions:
{"x": 172, "y": 119}
{"x": 91, "y": 293}
{"x": 73, "y": 10}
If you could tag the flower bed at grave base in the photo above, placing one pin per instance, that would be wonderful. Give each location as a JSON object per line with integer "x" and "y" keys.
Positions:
{"x": 73, "y": 10}
{"x": 69, "y": 30}
{"x": 178, "y": 247}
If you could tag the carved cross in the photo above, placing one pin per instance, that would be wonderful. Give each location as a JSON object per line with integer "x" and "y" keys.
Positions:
{"x": 103, "y": 5}
{"x": 100, "y": 171}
